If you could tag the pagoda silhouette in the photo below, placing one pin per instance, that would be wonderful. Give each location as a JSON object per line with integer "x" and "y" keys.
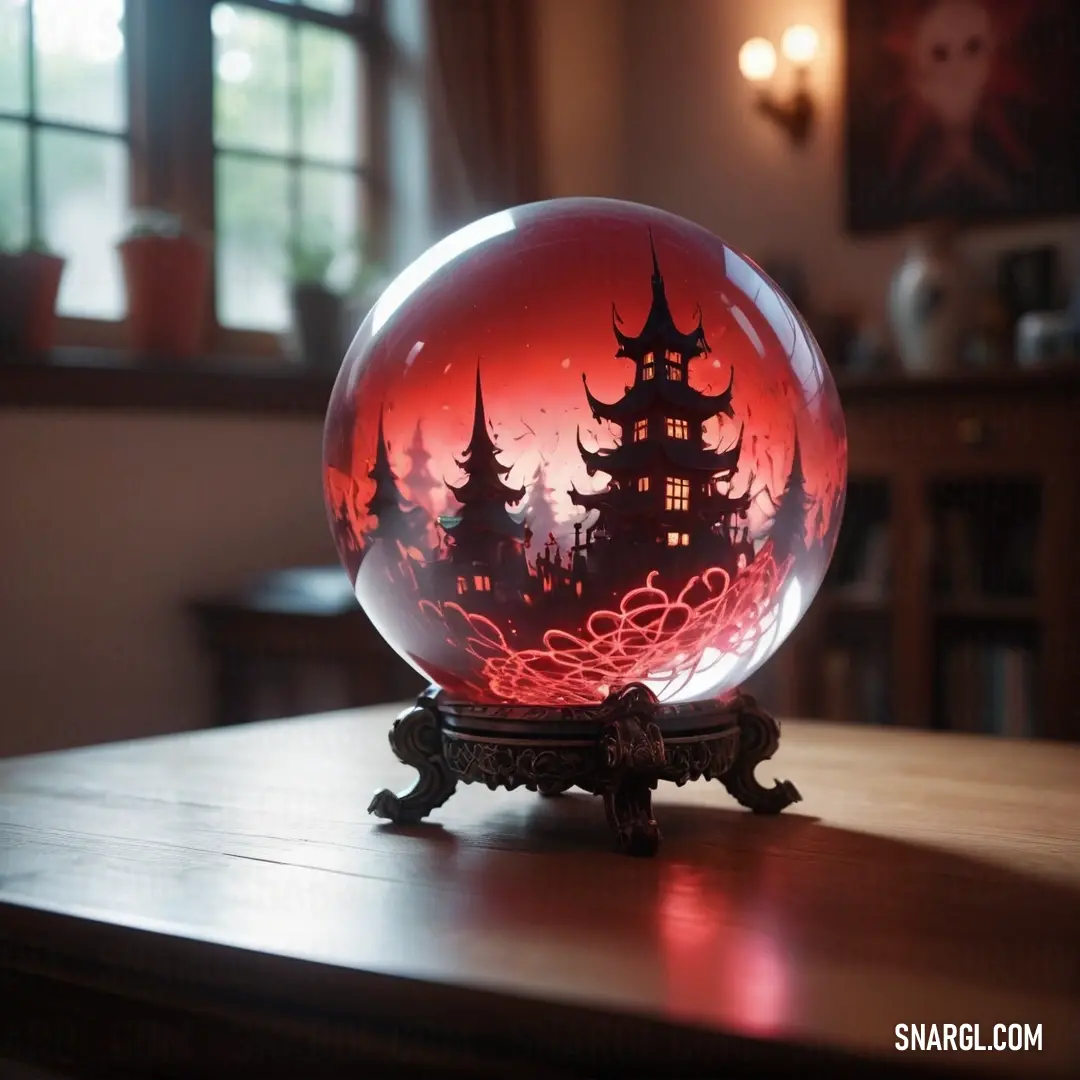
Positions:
{"x": 485, "y": 544}
{"x": 662, "y": 509}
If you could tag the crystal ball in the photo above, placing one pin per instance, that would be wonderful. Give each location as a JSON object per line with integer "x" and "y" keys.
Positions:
{"x": 583, "y": 443}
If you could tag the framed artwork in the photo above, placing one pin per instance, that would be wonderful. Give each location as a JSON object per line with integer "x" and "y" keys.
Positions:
{"x": 961, "y": 109}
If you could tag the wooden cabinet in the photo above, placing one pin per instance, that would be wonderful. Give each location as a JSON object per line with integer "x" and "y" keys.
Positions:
{"x": 953, "y": 598}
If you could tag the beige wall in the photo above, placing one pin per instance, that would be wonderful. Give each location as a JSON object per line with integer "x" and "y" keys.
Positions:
{"x": 109, "y": 524}
{"x": 643, "y": 100}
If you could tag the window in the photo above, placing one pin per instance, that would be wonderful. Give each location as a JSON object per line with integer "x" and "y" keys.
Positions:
{"x": 250, "y": 118}
{"x": 643, "y": 483}
{"x": 641, "y": 430}
{"x": 64, "y": 177}
{"x": 676, "y": 494}
{"x": 676, "y": 539}
{"x": 677, "y": 429}
{"x": 290, "y": 143}
{"x": 482, "y": 583}
{"x": 674, "y": 372}
{"x": 649, "y": 371}
{"x": 462, "y": 586}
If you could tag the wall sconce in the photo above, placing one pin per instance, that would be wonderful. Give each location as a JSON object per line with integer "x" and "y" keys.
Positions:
{"x": 757, "y": 62}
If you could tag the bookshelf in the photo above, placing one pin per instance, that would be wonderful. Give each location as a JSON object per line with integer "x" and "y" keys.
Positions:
{"x": 953, "y": 599}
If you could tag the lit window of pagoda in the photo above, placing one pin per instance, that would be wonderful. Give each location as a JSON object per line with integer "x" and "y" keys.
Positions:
{"x": 462, "y": 586}
{"x": 641, "y": 430}
{"x": 677, "y": 429}
{"x": 674, "y": 367}
{"x": 482, "y": 583}
{"x": 684, "y": 539}
{"x": 672, "y": 539}
{"x": 649, "y": 370}
{"x": 643, "y": 483}
{"x": 677, "y": 494}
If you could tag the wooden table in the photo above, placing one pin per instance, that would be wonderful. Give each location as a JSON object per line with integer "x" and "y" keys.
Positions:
{"x": 220, "y": 904}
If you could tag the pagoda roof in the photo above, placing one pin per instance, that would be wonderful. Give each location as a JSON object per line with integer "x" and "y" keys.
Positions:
{"x": 629, "y": 503}
{"x": 615, "y": 501}
{"x": 644, "y": 395}
{"x": 481, "y": 465}
{"x": 641, "y": 457}
{"x": 659, "y": 332}
{"x": 484, "y": 487}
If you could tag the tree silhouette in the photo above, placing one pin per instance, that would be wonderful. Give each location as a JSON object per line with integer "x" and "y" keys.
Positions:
{"x": 418, "y": 480}
{"x": 395, "y": 518}
{"x": 540, "y": 510}
{"x": 788, "y": 530}
{"x": 483, "y": 529}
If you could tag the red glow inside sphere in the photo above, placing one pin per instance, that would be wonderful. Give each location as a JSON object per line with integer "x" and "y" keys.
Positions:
{"x": 583, "y": 443}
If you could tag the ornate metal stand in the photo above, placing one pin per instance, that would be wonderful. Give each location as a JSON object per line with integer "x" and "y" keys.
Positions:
{"x": 619, "y": 750}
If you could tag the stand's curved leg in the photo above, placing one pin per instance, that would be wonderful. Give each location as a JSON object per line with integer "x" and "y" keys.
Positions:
{"x": 632, "y": 758}
{"x": 629, "y": 813}
{"x": 759, "y": 736}
{"x": 416, "y": 740}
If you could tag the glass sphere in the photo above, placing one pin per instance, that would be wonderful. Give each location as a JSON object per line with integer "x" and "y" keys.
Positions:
{"x": 583, "y": 443}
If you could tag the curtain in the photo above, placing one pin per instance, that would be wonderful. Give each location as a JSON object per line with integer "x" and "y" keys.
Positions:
{"x": 483, "y": 100}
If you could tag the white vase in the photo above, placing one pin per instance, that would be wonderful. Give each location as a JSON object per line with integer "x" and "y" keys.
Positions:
{"x": 930, "y": 306}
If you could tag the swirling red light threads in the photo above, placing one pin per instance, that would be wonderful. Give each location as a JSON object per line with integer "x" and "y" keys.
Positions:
{"x": 650, "y": 635}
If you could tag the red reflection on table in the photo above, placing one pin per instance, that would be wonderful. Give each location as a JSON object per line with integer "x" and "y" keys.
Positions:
{"x": 718, "y": 969}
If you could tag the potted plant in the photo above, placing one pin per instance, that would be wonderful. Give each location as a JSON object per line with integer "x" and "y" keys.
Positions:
{"x": 317, "y": 308}
{"x": 167, "y": 279}
{"x": 29, "y": 284}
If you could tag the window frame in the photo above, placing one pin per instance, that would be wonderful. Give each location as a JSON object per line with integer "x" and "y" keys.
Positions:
{"x": 676, "y": 494}
{"x": 171, "y": 147}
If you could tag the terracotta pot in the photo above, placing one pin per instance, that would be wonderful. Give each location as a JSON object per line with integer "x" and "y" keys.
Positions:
{"x": 29, "y": 283}
{"x": 318, "y": 322}
{"x": 167, "y": 280}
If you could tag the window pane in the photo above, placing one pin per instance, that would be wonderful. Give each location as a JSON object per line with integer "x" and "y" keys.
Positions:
{"x": 252, "y": 233}
{"x": 330, "y": 96}
{"x": 14, "y": 205}
{"x": 79, "y": 62}
{"x": 329, "y": 218}
{"x": 84, "y": 200}
{"x": 13, "y": 23}
{"x": 251, "y": 83}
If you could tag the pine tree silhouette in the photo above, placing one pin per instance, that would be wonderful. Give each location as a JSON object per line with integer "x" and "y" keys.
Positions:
{"x": 418, "y": 480}
{"x": 483, "y": 529}
{"x": 788, "y": 530}
{"x": 540, "y": 511}
{"x": 395, "y": 519}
